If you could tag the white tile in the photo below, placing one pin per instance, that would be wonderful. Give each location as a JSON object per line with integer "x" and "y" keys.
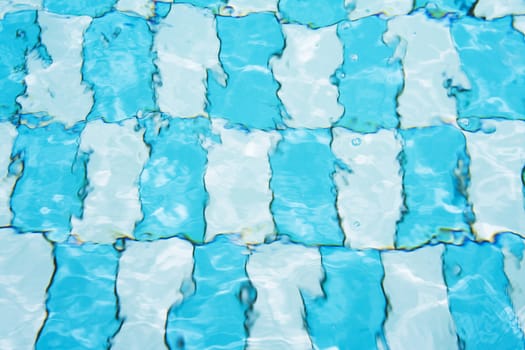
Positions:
{"x": 241, "y": 8}
{"x": 515, "y": 271}
{"x": 57, "y": 89}
{"x": 183, "y": 61}
{"x": 389, "y": 8}
{"x": 7, "y": 6}
{"x": 150, "y": 279}
{"x": 117, "y": 154}
{"x": 304, "y": 69}
{"x": 280, "y": 273}
{"x": 238, "y": 182}
{"x": 519, "y": 23}
{"x": 490, "y": 9}
{"x": 26, "y": 267}
{"x": 429, "y": 58}
{"x": 496, "y": 188}
{"x": 143, "y": 8}
{"x": 419, "y": 316}
{"x": 369, "y": 192}
{"x": 7, "y": 135}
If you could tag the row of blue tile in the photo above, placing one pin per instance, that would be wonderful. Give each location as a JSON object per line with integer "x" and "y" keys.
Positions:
{"x": 48, "y": 163}
{"x": 250, "y": 96}
{"x": 83, "y": 308}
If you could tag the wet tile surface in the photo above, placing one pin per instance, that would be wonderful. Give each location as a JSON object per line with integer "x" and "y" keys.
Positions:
{"x": 277, "y": 174}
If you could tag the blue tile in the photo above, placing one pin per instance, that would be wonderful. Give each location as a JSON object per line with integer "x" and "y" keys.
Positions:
{"x": 439, "y": 8}
{"x": 369, "y": 80}
{"x": 162, "y": 9}
{"x": 314, "y": 13}
{"x": 435, "y": 179}
{"x": 479, "y": 303}
{"x": 118, "y": 64}
{"x": 82, "y": 305}
{"x": 492, "y": 55}
{"x": 211, "y": 4}
{"x": 250, "y": 95}
{"x": 352, "y": 312}
{"x": 48, "y": 192}
{"x": 172, "y": 188}
{"x": 19, "y": 34}
{"x": 304, "y": 192}
{"x": 512, "y": 242}
{"x": 92, "y": 8}
{"x": 214, "y": 316}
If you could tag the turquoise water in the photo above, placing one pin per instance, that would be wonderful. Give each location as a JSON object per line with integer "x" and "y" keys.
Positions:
{"x": 263, "y": 174}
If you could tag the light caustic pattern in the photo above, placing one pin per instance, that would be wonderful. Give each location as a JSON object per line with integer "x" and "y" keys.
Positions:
{"x": 263, "y": 174}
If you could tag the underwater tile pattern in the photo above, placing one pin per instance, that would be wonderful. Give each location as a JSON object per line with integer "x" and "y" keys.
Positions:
{"x": 263, "y": 174}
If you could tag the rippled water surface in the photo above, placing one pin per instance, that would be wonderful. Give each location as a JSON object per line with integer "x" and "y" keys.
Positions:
{"x": 262, "y": 174}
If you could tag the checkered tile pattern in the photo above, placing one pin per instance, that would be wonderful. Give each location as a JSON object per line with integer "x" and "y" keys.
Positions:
{"x": 262, "y": 174}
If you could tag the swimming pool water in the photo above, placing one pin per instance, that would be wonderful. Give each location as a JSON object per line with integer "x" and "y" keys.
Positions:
{"x": 263, "y": 174}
